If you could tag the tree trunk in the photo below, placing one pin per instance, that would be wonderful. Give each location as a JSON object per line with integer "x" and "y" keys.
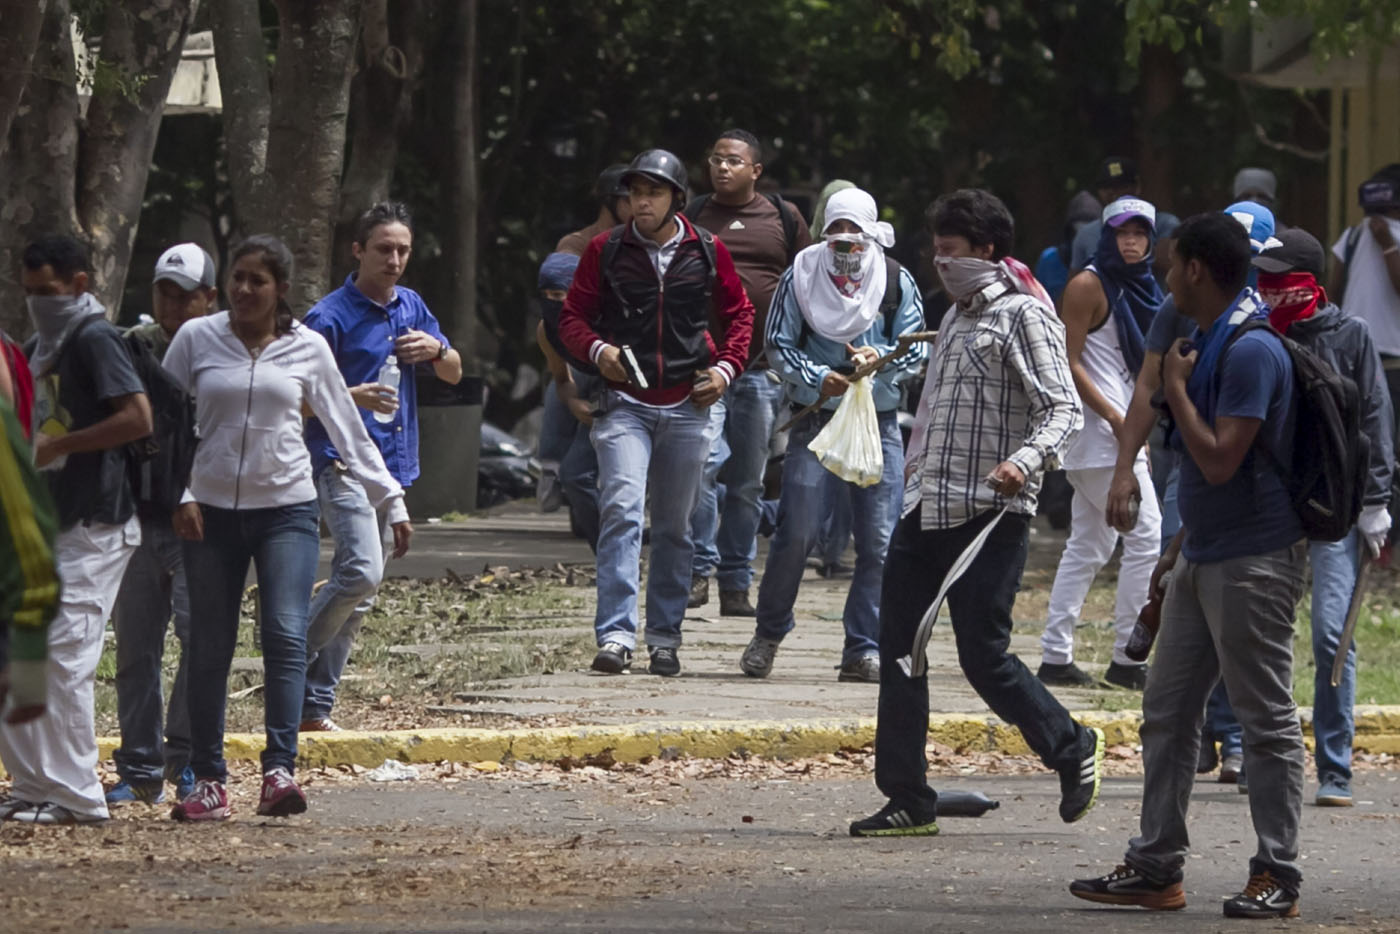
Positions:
{"x": 19, "y": 37}
{"x": 241, "y": 57}
{"x": 141, "y": 42}
{"x": 462, "y": 186}
{"x": 1161, "y": 79}
{"x": 37, "y": 171}
{"x": 306, "y": 134}
{"x": 381, "y": 99}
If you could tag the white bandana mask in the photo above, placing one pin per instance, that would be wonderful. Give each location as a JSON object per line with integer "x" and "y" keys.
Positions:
{"x": 847, "y": 254}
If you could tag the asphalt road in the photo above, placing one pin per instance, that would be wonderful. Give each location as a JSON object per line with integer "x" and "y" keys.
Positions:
{"x": 680, "y": 857}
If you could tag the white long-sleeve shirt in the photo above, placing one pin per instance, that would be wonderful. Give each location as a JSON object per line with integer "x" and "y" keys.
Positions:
{"x": 252, "y": 453}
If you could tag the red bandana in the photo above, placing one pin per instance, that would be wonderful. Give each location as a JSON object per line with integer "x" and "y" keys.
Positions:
{"x": 1291, "y": 296}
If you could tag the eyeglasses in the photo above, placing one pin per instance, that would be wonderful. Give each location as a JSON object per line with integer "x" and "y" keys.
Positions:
{"x": 733, "y": 162}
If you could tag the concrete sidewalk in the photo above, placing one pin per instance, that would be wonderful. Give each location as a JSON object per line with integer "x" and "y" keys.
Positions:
{"x": 713, "y": 710}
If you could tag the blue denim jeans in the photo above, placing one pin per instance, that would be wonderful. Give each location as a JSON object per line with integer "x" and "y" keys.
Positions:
{"x": 578, "y": 474}
{"x": 726, "y": 535}
{"x": 800, "y": 511}
{"x": 1334, "y": 567}
{"x": 640, "y": 446}
{"x": 339, "y": 607}
{"x": 556, "y": 426}
{"x": 836, "y": 524}
{"x": 979, "y": 605}
{"x": 152, "y": 589}
{"x": 283, "y": 544}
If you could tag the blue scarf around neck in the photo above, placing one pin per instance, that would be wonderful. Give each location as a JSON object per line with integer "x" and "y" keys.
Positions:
{"x": 1134, "y": 297}
{"x": 1210, "y": 345}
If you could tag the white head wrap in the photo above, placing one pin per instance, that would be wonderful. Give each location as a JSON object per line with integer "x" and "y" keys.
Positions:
{"x": 832, "y": 313}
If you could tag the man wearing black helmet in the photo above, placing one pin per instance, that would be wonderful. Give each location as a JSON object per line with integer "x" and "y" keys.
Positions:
{"x": 639, "y": 310}
{"x": 613, "y": 209}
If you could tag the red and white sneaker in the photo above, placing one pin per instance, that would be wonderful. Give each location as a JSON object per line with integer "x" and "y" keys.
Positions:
{"x": 280, "y": 795}
{"x": 208, "y": 801}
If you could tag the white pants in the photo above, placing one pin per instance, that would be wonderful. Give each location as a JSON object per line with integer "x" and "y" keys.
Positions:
{"x": 1090, "y": 545}
{"x": 54, "y": 759}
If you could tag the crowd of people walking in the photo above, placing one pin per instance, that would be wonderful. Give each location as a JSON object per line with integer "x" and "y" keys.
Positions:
{"x": 1212, "y": 407}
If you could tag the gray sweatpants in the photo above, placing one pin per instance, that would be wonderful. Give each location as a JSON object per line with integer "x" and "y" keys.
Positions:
{"x": 1233, "y": 620}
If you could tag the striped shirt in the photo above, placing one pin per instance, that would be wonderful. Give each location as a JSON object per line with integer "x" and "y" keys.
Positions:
{"x": 804, "y": 364}
{"x": 1003, "y": 391}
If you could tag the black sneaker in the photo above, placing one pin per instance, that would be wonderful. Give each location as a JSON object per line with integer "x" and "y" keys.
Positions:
{"x": 736, "y": 603}
{"x": 699, "y": 593}
{"x": 664, "y": 661}
{"x": 1132, "y": 677}
{"x": 1263, "y": 897}
{"x": 864, "y": 669}
{"x": 1063, "y": 676}
{"x": 1079, "y": 785}
{"x": 891, "y": 821}
{"x": 1123, "y": 886}
{"x": 613, "y": 658}
{"x": 1207, "y": 759}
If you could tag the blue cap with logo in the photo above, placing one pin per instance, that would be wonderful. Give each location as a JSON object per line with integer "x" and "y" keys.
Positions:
{"x": 1258, "y": 222}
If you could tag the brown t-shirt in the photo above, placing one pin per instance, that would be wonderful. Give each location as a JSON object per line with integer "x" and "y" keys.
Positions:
{"x": 754, "y": 235}
{"x": 575, "y": 242}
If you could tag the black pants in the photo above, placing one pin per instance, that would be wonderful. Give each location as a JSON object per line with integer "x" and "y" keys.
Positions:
{"x": 980, "y": 606}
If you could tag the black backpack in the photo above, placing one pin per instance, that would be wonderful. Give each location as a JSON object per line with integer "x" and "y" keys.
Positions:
{"x": 159, "y": 465}
{"x": 1327, "y": 473}
{"x": 786, "y": 213}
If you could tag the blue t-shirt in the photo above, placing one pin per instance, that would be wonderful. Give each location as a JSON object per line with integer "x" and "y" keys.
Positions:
{"x": 361, "y": 334}
{"x": 1167, "y": 326}
{"x": 1251, "y": 513}
{"x": 1052, "y": 272}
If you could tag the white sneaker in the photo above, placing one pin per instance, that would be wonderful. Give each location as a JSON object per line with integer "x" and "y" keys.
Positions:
{"x": 47, "y": 813}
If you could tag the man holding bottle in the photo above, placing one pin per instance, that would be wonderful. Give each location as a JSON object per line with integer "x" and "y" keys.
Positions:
{"x": 378, "y": 331}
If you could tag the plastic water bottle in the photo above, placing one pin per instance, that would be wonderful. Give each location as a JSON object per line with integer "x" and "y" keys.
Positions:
{"x": 388, "y": 376}
{"x": 964, "y": 804}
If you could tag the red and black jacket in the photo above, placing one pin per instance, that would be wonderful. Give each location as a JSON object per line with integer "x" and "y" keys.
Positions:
{"x": 666, "y": 321}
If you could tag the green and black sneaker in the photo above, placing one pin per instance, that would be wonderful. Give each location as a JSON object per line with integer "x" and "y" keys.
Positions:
{"x": 893, "y": 821}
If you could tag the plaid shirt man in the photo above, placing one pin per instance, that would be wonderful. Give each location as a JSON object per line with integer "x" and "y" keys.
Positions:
{"x": 1003, "y": 391}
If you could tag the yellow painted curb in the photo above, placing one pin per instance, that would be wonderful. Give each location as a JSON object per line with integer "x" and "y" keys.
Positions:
{"x": 1377, "y": 730}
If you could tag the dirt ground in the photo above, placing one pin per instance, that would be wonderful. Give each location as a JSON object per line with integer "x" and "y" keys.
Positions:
{"x": 685, "y": 845}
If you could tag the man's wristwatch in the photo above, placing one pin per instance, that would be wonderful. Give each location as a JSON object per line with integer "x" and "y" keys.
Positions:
{"x": 442, "y": 350}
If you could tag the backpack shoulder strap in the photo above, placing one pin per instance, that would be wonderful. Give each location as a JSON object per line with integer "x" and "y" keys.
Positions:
{"x": 893, "y": 297}
{"x": 707, "y": 246}
{"x": 693, "y": 207}
{"x": 609, "y": 254}
{"x": 788, "y": 215}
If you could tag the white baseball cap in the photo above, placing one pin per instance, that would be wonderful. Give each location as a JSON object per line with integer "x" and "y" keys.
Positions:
{"x": 187, "y": 265}
{"x": 1119, "y": 212}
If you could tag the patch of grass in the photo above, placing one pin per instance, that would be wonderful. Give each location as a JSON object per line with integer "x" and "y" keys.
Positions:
{"x": 498, "y": 625}
{"x": 1377, "y": 653}
{"x": 1377, "y": 638}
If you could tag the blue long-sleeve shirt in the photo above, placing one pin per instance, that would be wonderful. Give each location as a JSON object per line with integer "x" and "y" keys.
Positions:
{"x": 803, "y": 365}
{"x": 361, "y": 334}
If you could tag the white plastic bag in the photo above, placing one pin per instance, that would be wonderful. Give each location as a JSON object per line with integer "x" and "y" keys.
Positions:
{"x": 849, "y": 445}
